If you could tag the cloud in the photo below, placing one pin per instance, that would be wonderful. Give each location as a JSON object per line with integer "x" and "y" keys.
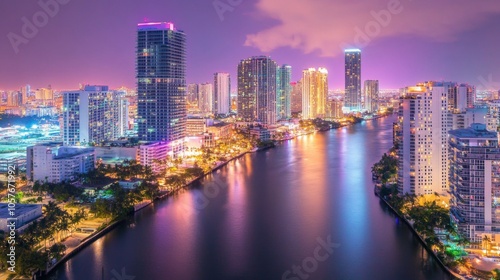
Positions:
{"x": 328, "y": 26}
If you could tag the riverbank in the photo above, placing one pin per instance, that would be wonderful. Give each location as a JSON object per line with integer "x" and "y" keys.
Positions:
{"x": 164, "y": 195}
{"x": 138, "y": 207}
{"x": 424, "y": 244}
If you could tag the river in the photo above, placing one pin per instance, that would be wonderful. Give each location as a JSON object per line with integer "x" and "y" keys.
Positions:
{"x": 303, "y": 210}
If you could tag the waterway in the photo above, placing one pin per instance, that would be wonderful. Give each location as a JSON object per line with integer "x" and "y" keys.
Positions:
{"x": 265, "y": 215}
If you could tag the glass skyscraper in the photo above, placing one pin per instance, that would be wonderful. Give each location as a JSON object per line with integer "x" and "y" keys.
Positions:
{"x": 161, "y": 82}
{"x": 284, "y": 92}
{"x": 352, "y": 100}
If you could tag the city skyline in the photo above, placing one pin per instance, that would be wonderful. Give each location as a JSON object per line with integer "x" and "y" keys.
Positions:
{"x": 237, "y": 33}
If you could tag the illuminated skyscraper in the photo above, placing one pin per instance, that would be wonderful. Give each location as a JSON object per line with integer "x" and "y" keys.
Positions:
{"x": 353, "y": 80}
{"x": 161, "y": 82}
{"x": 296, "y": 98}
{"x": 257, "y": 89}
{"x": 284, "y": 92}
{"x": 460, "y": 96}
{"x": 314, "y": 93}
{"x": 205, "y": 98}
{"x": 192, "y": 93}
{"x": 222, "y": 94}
{"x": 371, "y": 95}
{"x": 91, "y": 116}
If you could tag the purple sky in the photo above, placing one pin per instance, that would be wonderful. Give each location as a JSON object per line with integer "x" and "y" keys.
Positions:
{"x": 93, "y": 41}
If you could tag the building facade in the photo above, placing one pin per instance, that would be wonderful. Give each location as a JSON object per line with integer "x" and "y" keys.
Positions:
{"x": 93, "y": 115}
{"x": 475, "y": 182}
{"x": 296, "y": 98}
{"x": 54, "y": 163}
{"x": 371, "y": 91}
{"x": 222, "y": 94}
{"x": 314, "y": 93}
{"x": 284, "y": 92}
{"x": 352, "y": 99}
{"x": 205, "y": 98}
{"x": 161, "y": 81}
{"x": 257, "y": 90}
{"x": 424, "y": 122}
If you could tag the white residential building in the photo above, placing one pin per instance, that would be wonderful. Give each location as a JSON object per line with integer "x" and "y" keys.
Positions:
{"x": 54, "y": 163}
{"x": 92, "y": 115}
{"x": 475, "y": 182}
{"x": 424, "y": 122}
{"x": 222, "y": 94}
{"x": 205, "y": 99}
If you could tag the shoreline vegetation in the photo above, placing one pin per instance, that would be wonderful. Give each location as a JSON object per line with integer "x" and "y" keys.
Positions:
{"x": 429, "y": 218}
{"x": 76, "y": 216}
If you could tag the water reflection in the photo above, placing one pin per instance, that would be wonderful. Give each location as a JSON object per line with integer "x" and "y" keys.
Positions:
{"x": 266, "y": 217}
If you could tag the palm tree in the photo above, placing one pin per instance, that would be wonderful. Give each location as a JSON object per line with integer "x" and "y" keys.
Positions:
{"x": 486, "y": 243}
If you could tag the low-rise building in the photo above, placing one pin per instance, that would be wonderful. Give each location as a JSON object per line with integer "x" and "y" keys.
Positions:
{"x": 23, "y": 214}
{"x": 54, "y": 163}
{"x": 260, "y": 133}
{"x": 149, "y": 154}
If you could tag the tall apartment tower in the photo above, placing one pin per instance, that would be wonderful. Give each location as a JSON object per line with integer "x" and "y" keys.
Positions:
{"x": 314, "y": 93}
{"x": 192, "y": 94}
{"x": 424, "y": 122}
{"x": 205, "y": 98}
{"x": 296, "y": 97}
{"x": 475, "y": 181}
{"x": 460, "y": 96}
{"x": 92, "y": 116}
{"x": 371, "y": 90}
{"x": 222, "y": 94}
{"x": 284, "y": 92}
{"x": 352, "y": 99}
{"x": 161, "y": 82}
{"x": 257, "y": 89}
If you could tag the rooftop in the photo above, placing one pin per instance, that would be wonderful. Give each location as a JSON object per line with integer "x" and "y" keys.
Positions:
{"x": 476, "y": 130}
{"x": 145, "y": 26}
{"x": 20, "y": 209}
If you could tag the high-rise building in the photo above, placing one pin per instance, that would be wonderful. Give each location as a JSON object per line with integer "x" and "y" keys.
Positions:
{"x": 352, "y": 97}
{"x": 14, "y": 98}
{"x": 161, "y": 82}
{"x": 334, "y": 109}
{"x": 477, "y": 114}
{"x": 91, "y": 116}
{"x": 222, "y": 94}
{"x": 123, "y": 113}
{"x": 284, "y": 92}
{"x": 257, "y": 89}
{"x": 475, "y": 181}
{"x": 460, "y": 96}
{"x": 424, "y": 122}
{"x": 371, "y": 95}
{"x": 314, "y": 93}
{"x": 205, "y": 98}
{"x": 296, "y": 99}
{"x": 192, "y": 94}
